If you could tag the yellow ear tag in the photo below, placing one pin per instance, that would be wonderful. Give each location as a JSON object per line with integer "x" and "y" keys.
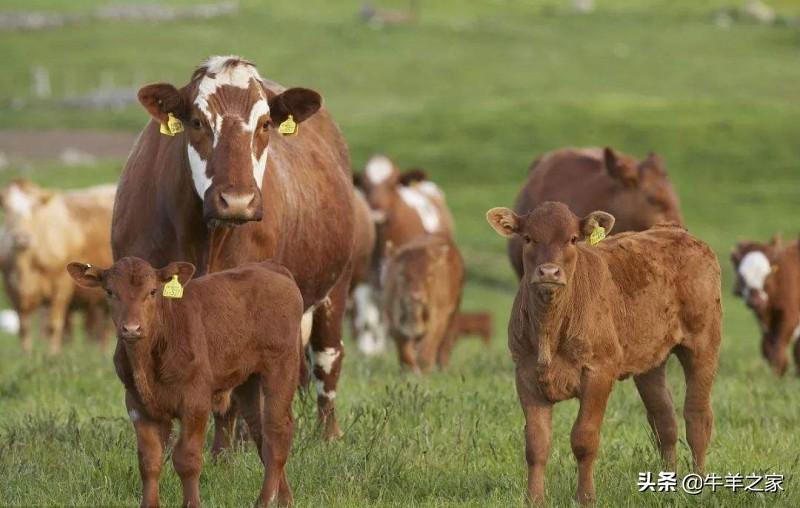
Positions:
{"x": 598, "y": 234}
{"x": 173, "y": 288}
{"x": 288, "y": 127}
{"x": 172, "y": 127}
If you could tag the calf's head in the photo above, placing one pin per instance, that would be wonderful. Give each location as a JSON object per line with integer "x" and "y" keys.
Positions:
{"x": 228, "y": 115}
{"x": 380, "y": 182}
{"x": 551, "y": 233}
{"x": 753, "y": 263}
{"x": 134, "y": 288}
{"x": 645, "y": 196}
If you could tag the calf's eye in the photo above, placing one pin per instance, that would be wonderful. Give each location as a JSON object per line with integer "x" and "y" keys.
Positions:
{"x": 109, "y": 293}
{"x": 153, "y": 292}
{"x": 573, "y": 240}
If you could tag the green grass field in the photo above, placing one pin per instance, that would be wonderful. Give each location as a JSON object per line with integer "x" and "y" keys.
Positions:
{"x": 473, "y": 92}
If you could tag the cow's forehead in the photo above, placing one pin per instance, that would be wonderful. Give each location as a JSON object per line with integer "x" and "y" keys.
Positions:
{"x": 550, "y": 219}
{"x": 227, "y": 82}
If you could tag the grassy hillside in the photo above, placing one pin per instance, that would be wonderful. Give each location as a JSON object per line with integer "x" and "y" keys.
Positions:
{"x": 473, "y": 92}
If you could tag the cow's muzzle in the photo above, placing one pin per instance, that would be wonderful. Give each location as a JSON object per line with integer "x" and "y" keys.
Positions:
{"x": 548, "y": 274}
{"x": 233, "y": 205}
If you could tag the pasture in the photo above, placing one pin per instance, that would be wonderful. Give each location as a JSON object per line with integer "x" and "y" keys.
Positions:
{"x": 472, "y": 92}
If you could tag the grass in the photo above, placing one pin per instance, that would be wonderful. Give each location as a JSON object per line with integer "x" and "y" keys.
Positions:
{"x": 472, "y": 93}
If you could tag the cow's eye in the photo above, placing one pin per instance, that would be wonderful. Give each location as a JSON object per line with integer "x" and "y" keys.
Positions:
{"x": 153, "y": 291}
{"x": 527, "y": 238}
{"x": 196, "y": 123}
{"x": 574, "y": 239}
{"x": 265, "y": 124}
{"x": 109, "y": 292}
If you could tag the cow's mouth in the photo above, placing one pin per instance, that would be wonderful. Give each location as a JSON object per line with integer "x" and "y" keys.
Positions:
{"x": 226, "y": 223}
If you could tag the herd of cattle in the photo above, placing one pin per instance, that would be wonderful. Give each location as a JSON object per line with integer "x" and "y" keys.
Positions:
{"x": 237, "y": 239}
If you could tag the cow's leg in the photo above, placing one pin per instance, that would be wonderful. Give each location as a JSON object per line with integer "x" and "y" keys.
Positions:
{"x": 407, "y": 353}
{"x": 653, "y": 389}
{"x": 58, "y": 314}
{"x": 327, "y": 353}
{"x": 187, "y": 457}
{"x": 585, "y": 437}
{"x": 224, "y": 429}
{"x": 151, "y": 438}
{"x": 538, "y": 429}
{"x": 280, "y": 385}
{"x": 450, "y": 339}
{"x": 25, "y": 324}
{"x": 779, "y": 358}
{"x": 250, "y": 403}
{"x": 797, "y": 355}
{"x": 431, "y": 343}
{"x": 699, "y": 368}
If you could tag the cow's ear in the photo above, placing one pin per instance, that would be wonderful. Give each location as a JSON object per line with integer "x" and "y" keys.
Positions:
{"x": 161, "y": 99}
{"x": 182, "y": 269}
{"x": 620, "y": 169}
{"x": 595, "y": 219}
{"x": 85, "y": 275}
{"x": 504, "y": 221}
{"x": 412, "y": 176}
{"x": 301, "y": 103}
{"x": 777, "y": 241}
{"x": 655, "y": 162}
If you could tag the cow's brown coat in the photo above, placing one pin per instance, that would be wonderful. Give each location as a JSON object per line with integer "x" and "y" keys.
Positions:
{"x": 586, "y": 316}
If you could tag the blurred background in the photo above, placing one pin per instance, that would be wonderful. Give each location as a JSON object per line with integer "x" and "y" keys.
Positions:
{"x": 472, "y": 91}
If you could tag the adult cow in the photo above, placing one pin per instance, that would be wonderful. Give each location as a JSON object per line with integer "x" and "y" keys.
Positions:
{"x": 289, "y": 194}
{"x": 638, "y": 193}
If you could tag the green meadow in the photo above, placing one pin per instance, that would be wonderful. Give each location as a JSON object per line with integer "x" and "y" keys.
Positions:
{"x": 473, "y": 92}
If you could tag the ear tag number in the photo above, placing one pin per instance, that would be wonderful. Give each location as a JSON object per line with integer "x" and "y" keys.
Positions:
{"x": 173, "y": 288}
{"x": 172, "y": 127}
{"x": 288, "y": 127}
{"x": 597, "y": 235}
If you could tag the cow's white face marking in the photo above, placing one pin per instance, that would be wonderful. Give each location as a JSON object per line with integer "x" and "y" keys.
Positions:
{"x": 430, "y": 188}
{"x": 325, "y": 358}
{"x": 219, "y": 74}
{"x": 754, "y": 269}
{"x": 422, "y": 204}
{"x": 379, "y": 168}
{"x": 18, "y": 202}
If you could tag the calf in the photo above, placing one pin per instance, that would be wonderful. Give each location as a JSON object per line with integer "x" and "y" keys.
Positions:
{"x": 422, "y": 293}
{"x": 236, "y": 331}
{"x": 586, "y": 316}
{"x": 43, "y": 230}
{"x": 768, "y": 280}
{"x": 474, "y": 323}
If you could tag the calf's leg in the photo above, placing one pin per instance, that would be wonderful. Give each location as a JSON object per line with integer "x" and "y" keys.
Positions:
{"x": 407, "y": 353}
{"x": 699, "y": 367}
{"x": 280, "y": 384}
{"x": 653, "y": 389}
{"x": 25, "y": 337}
{"x": 187, "y": 457}
{"x": 250, "y": 403}
{"x": 224, "y": 429}
{"x": 58, "y": 315}
{"x": 327, "y": 353}
{"x": 538, "y": 430}
{"x": 151, "y": 437}
{"x": 585, "y": 437}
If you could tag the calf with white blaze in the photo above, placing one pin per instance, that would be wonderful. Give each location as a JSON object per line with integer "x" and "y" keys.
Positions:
{"x": 234, "y": 168}
{"x": 587, "y": 316}
{"x": 234, "y": 332}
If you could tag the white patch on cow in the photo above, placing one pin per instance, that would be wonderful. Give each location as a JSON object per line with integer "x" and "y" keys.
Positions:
{"x": 321, "y": 391}
{"x": 378, "y": 169}
{"x": 754, "y": 269}
{"x": 369, "y": 327}
{"x": 306, "y": 323}
{"x": 430, "y": 188}
{"x": 258, "y": 110}
{"x": 425, "y": 208}
{"x": 325, "y": 358}
{"x": 18, "y": 202}
{"x": 134, "y": 415}
{"x": 198, "y": 166}
{"x": 259, "y": 166}
{"x": 9, "y": 321}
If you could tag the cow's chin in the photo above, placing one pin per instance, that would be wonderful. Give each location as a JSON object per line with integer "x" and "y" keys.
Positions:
{"x": 214, "y": 223}
{"x": 548, "y": 291}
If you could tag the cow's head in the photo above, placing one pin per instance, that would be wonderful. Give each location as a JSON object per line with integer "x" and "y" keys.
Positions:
{"x": 20, "y": 198}
{"x": 753, "y": 263}
{"x": 645, "y": 196}
{"x": 381, "y": 182}
{"x": 228, "y": 116}
{"x": 551, "y": 233}
{"x": 408, "y": 299}
{"x": 133, "y": 288}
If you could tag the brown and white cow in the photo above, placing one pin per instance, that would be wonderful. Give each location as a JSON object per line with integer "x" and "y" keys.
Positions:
{"x": 291, "y": 195}
{"x": 180, "y": 353}
{"x": 43, "y": 230}
{"x": 422, "y": 284}
{"x": 585, "y": 317}
{"x": 638, "y": 193}
{"x": 768, "y": 280}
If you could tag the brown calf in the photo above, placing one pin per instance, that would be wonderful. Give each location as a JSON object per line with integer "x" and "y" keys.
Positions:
{"x": 43, "y": 230}
{"x": 768, "y": 280}
{"x": 232, "y": 331}
{"x": 637, "y": 193}
{"x": 586, "y": 316}
{"x": 474, "y": 323}
{"x": 422, "y": 293}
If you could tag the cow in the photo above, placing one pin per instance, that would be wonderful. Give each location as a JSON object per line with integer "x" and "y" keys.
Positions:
{"x": 768, "y": 280}
{"x": 586, "y": 316}
{"x": 184, "y": 347}
{"x": 422, "y": 293}
{"x": 43, "y": 230}
{"x": 638, "y": 193}
{"x": 233, "y": 168}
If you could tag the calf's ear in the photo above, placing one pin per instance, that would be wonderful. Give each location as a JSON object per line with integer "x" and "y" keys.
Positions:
{"x": 85, "y": 275}
{"x": 620, "y": 169}
{"x": 182, "y": 269}
{"x": 161, "y": 99}
{"x": 413, "y": 176}
{"x": 594, "y": 219}
{"x": 504, "y": 221}
{"x": 301, "y": 103}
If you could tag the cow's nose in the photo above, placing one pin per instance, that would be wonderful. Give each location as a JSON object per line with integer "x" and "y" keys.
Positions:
{"x": 549, "y": 272}
{"x": 132, "y": 329}
{"x": 236, "y": 204}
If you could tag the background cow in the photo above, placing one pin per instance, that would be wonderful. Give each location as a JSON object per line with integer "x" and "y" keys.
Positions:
{"x": 290, "y": 194}
{"x": 585, "y": 317}
{"x": 638, "y": 193}
{"x": 768, "y": 280}
{"x": 43, "y": 231}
